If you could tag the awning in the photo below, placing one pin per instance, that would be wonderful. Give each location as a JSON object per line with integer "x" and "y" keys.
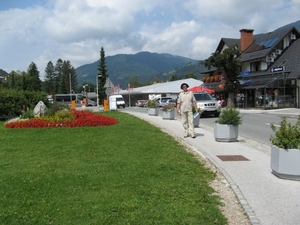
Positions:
{"x": 201, "y": 88}
{"x": 213, "y": 86}
{"x": 259, "y": 82}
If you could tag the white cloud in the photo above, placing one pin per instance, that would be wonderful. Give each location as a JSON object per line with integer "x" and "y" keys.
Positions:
{"x": 76, "y": 30}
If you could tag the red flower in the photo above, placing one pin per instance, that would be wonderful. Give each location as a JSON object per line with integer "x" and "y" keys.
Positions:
{"x": 82, "y": 119}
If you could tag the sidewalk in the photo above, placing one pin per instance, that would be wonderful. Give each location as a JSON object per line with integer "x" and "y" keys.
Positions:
{"x": 266, "y": 199}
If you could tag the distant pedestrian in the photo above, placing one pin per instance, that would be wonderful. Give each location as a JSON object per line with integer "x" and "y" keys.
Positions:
{"x": 185, "y": 103}
{"x": 83, "y": 102}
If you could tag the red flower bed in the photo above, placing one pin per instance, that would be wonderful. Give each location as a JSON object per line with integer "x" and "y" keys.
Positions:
{"x": 82, "y": 119}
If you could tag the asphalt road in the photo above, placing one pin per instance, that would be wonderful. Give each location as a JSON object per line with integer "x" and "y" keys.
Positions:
{"x": 256, "y": 125}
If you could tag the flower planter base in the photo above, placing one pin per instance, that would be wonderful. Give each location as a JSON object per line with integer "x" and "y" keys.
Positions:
{"x": 225, "y": 133}
{"x": 169, "y": 115}
{"x": 285, "y": 163}
{"x": 153, "y": 111}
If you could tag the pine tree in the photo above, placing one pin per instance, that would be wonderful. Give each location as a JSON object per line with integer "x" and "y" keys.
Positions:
{"x": 59, "y": 82}
{"x": 50, "y": 78}
{"x": 33, "y": 78}
{"x": 102, "y": 76}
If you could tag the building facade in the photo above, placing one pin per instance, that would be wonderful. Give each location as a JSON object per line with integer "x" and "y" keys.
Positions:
{"x": 270, "y": 71}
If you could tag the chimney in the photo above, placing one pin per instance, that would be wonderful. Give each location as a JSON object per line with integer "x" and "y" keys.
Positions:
{"x": 246, "y": 38}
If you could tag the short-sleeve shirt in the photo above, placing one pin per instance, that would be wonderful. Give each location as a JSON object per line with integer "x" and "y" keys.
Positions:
{"x": 186, "y": 99}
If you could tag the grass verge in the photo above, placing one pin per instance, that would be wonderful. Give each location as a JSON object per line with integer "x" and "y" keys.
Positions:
{"x": 129, "y": 173}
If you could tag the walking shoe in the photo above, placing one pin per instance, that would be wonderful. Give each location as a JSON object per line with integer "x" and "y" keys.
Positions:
{"x": 193, "y": 136}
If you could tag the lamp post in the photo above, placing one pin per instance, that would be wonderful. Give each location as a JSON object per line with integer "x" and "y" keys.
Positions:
{"x": 129, "y": 104}
{"x": 70, "y": 81}
{"x": 97, "y": 89}
{"x": 84, "y": 90}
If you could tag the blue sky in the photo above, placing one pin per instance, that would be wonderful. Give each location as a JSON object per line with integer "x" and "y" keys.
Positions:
{"x": 40, "y": 31}
{"x": 22, "y": 4}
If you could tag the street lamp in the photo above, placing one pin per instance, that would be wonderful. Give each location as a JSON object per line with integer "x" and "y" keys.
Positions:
{"x": 84, "y": 91}
{"x": 70, "y": 81}
{"x": 97, "y": 88}
{"x": 129, "y": 104}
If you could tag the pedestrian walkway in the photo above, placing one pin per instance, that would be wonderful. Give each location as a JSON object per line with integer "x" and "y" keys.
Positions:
{"x": 265, "y": 198}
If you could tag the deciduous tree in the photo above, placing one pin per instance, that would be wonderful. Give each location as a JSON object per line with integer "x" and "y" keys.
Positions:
{"x": 229, "y": 63}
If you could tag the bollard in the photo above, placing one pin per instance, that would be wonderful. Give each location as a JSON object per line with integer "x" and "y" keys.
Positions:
{"x": 106, "y": 108}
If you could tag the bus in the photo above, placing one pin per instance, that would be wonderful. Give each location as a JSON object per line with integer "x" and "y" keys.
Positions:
{"x": 68, "y": 98}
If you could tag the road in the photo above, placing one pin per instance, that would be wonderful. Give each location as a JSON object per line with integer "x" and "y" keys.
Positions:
{"x": 255, "y": 126}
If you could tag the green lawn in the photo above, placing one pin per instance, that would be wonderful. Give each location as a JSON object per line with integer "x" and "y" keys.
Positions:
{"x": 129, "y": 173}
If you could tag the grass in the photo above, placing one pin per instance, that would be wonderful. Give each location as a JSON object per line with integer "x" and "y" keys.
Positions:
{"x": 129, "y": 173}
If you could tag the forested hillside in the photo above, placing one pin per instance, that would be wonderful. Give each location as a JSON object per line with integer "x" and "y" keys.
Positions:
{"x": 144, "y": 65}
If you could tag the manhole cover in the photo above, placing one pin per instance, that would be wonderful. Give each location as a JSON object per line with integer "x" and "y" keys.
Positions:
{"x": 232, "y": 158}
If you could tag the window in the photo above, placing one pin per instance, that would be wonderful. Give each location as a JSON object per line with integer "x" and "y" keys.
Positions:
{"x": 255, "y": 66}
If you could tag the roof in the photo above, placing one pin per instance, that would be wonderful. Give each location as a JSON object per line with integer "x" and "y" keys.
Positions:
{"x": 263, "y": 44}
{"x": 159, "y": 88}
{"x": 290, "y": 60}
{"x": 229, "y": 42}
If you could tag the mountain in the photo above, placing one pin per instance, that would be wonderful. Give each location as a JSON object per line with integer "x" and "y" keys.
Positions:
{"x": 3, "y": 73}
{"x": 294, "y": 24}
{"x": 144, "y": 65}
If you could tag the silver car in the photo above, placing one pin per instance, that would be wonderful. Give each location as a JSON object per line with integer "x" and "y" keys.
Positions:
{"x": 207, "y": 104}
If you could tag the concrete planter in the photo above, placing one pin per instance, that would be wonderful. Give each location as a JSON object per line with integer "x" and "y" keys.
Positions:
{"x": 153, "y": 111}
{"x": 285, "y": 163}
{"x": 168, "y": 115}
{"x": 225, "y": 132}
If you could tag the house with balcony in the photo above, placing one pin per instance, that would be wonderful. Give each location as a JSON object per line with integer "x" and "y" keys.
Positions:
{"x": 270, "y": 74}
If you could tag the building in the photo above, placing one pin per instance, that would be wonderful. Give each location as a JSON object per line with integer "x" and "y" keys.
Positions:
{"x": 270, "y": 72}
{"x": 166, "y": 89}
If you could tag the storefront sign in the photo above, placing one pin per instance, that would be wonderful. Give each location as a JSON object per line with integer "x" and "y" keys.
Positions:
{"x": 277, "y": 69}
{"x": 245, "y": 73}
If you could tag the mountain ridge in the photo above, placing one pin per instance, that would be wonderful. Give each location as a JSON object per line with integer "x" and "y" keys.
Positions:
{"x": 145, "y": 65}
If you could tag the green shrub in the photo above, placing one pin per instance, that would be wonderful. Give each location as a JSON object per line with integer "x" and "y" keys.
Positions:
{"x": 168, "y": 107}
{"x": 55, "y": 107}
{"x": 230, "y": 116}
{"x": 12, "y": 101}
{"x": 287, "y": 136}
{"x": 152, "y": 103}
{"x": 29, "y": 114}
{"x": 64, "y": 115}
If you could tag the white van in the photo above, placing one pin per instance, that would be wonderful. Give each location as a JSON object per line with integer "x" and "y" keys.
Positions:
{"x": 118, "y": 99}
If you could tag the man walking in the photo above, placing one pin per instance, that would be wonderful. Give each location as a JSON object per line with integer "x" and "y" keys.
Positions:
{"x": 185, "y": 103}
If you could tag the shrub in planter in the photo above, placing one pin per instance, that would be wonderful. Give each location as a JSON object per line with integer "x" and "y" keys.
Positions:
{"x": 168, "y": 107}
{"x": 287, "y": 135}
{"x": 285, "y": 150}
{"x": 152, "y": 104}
{"x": 230, "y": 116}
{"x": 168, "y": 111}
{"x": 226, "y": 127}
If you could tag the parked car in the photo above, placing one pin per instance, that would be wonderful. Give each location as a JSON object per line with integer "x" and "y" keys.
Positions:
{"x": 168, "y": 101}
{"x": 207, "y": 104}
{"x": 162, "y": 101}
{"x": 90, "y": 103}
{"x": 140, "y": 103}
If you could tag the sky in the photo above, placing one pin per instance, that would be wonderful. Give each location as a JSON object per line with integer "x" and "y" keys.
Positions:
{"x": 40, "y": 31}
